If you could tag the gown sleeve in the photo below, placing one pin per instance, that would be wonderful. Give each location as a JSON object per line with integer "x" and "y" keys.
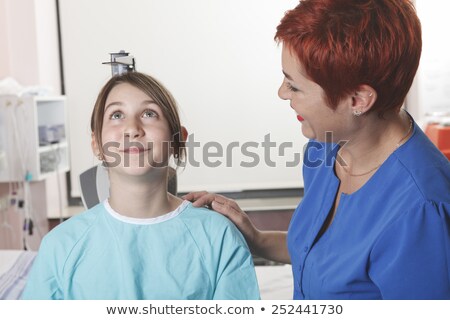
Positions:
{"x": 42, "y": 282}
{"x": 236, "y": 277}
{"x": 411, "y": 258}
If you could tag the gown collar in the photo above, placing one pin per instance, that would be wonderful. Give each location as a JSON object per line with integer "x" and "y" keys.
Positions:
{"x": 145, "y": 221}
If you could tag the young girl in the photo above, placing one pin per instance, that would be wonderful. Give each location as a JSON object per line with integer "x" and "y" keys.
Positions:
{"x": 142, "y": 242}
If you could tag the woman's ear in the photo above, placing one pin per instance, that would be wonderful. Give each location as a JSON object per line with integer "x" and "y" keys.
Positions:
{"x": 363, "y": 99}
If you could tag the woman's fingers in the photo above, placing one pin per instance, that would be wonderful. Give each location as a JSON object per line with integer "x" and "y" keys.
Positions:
{"x": 193, "y": 196}
{"x": 217, "y": 202}
{"x": 227, "y": 207}
{"x": 201, "y": 198}
{"x": 230, "y": 209}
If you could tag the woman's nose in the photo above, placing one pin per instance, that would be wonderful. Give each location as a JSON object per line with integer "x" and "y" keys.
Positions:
{"x": 283, "y": 92}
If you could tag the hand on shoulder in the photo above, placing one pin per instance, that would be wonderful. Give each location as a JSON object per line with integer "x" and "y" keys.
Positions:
{"x": 227, "y": 207}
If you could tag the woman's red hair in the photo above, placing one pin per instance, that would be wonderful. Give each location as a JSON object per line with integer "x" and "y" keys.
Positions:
{"x": 343, "y": 44}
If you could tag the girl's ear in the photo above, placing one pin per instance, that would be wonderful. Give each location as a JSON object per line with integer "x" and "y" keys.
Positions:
{"x": 94, "y": 145}
{"x": 363, "y": 99}
{"x": 183, "y": 137}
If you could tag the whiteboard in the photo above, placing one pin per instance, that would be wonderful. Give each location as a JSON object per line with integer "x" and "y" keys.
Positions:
{"x": 219, "y": 60}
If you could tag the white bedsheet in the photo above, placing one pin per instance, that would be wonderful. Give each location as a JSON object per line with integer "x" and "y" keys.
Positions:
{"x": 275, "y": 282}
{"x": 14, "y": 268}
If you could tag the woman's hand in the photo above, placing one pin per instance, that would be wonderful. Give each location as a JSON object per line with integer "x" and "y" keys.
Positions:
{"x": 230, "y": 209}
{"x": 270, "y": 245}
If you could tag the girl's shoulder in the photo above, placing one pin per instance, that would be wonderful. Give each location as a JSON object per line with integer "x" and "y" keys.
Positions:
{"x": 69, "y": 232}
{"x": 204, "y": 215}
{"x": 210, "y": 224}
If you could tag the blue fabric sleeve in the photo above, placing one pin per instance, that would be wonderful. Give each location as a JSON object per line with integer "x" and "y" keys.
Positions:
{"x": 411, "y": 259}
{"x": 236, "y": 277}
{"x": 42, "y": 283}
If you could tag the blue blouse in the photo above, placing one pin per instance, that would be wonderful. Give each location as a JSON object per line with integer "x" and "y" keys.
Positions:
{"x": 388, "y": 240}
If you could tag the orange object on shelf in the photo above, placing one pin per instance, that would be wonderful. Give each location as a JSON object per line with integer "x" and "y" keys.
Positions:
{"x": 440, "y": 136}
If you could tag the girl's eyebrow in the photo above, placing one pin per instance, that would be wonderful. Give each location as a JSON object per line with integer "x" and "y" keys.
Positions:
{"x": 114, "y": 103}
{"x": 149, "y": 102}
{"x": 121, "y": 104}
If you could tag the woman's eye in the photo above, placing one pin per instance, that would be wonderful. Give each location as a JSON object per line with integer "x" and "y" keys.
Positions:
{"x": 149, "y": 114}
{"x": 291, "y": 88}
{"x": 116, "y": 115}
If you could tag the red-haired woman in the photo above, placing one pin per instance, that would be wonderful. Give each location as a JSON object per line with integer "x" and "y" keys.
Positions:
{"x": 374, "y": 222}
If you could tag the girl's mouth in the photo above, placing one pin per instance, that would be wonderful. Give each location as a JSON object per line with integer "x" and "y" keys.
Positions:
{"x": 134, "y": 150}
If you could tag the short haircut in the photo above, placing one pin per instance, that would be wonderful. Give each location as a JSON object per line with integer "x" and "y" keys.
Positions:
{"x": 346, "y": 43}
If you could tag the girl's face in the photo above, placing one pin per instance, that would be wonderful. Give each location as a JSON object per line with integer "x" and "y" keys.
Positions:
{"x": 136, "y": 136}
{"x": 307, "y": 99}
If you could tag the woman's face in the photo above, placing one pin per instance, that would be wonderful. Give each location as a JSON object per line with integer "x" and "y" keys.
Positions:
{"x": 307, "y": 99}
{"x": 136, "y": 136}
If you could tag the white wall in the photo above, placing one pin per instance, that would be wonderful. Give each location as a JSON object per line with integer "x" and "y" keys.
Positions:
{"x": 28, "y": 38}
{"x": 219, "y": 60}
{"x": 47, "y": 44}
{"x": 433, "y": 79}
{"x": 4, "y": 40}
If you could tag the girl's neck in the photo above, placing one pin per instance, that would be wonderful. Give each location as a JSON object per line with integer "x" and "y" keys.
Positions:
{"x": 143, "y": 196}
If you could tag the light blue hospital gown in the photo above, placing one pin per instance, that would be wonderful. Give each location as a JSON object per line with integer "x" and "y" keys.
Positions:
{"x": 190, "y": 253}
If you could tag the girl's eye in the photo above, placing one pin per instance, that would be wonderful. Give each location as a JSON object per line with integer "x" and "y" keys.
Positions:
{"x": 149, "y": 114}
{"x": 116, "y": 115}
{"x": 291, "y": 88}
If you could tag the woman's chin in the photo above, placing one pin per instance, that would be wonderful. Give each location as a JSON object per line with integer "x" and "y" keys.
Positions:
{"x": 307, "y": 132}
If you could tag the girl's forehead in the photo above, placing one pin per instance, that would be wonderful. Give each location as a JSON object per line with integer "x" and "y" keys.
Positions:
{"x": 126, "y": 94}
{"x": 127, "y": 91}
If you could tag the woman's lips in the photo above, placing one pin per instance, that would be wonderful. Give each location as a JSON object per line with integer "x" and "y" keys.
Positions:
{"x": 299, "y": 117}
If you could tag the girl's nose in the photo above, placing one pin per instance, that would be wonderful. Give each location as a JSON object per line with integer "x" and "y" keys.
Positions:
{"x": 133, "y": 129}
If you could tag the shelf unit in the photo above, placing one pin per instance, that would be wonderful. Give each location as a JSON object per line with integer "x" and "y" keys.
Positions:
{"x": 23, "y": 155}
